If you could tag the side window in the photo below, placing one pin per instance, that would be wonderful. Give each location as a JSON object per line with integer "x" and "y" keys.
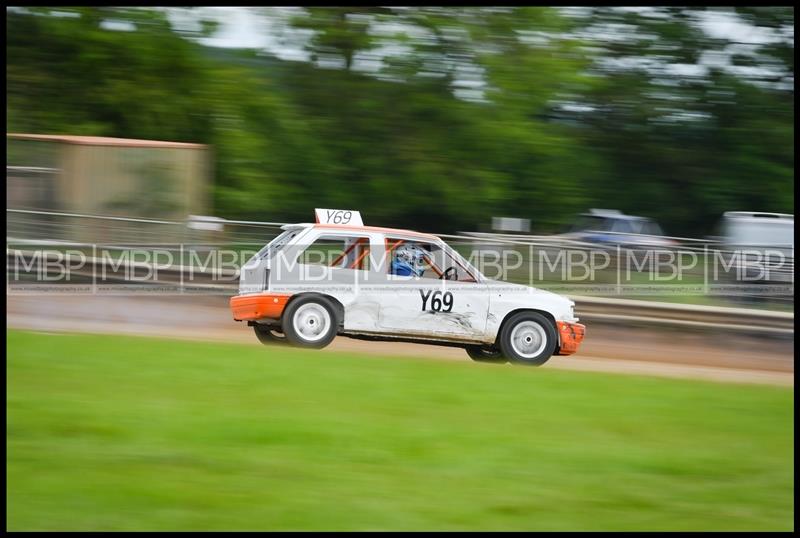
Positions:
{"x": 623, "y": 226}
{"x": 434, "y": 260}
{"x": 408, "y": 258}
{"x": 344, "y": 252}
{"x": 421, "y": 259}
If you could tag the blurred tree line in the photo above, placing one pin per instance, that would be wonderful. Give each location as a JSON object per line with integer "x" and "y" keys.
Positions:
{"x": 438, "y": 118}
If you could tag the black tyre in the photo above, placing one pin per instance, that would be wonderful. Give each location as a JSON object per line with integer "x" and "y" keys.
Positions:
{"x": 310, "y": 322}
{"x": 486, "y": 354}
{"x": 269, "y": 336}
{"x": 528, "y": 338}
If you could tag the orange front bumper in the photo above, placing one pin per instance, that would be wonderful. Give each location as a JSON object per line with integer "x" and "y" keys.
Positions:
{"x": 259, "y": 306}
{"x": 571, "y": 336}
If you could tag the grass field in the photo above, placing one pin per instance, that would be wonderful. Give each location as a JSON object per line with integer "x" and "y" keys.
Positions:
{"x": 126, "y": 433}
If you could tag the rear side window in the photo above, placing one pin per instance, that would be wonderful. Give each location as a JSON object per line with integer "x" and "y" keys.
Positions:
{"x": 344, "y": 252}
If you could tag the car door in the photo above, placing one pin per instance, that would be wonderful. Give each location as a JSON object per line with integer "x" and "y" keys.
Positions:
{"x": 428, "y": 305}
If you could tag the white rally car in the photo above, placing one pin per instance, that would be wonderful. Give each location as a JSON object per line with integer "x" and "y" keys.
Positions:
{"x": 337, "y": 276}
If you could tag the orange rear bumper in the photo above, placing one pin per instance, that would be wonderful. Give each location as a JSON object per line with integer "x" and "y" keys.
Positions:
{"x": 258, "y": 306}
{"x": 571, "y": 336}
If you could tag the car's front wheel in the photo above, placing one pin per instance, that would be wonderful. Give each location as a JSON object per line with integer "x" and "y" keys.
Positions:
{"x": 310, "y": 322}
{"x": 528, "y": 338}
{"x": 486, "y": 354}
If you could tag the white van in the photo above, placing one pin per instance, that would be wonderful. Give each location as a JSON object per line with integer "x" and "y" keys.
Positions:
{"x": 763, "y": 244}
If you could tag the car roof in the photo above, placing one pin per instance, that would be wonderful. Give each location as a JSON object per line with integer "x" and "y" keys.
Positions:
{"x": 619, "y": 216}
{"x": 760, "y": 215}
{"x": 373, "y": 229}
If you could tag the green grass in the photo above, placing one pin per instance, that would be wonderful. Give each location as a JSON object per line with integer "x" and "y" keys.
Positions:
{"x": 126, "y": 433}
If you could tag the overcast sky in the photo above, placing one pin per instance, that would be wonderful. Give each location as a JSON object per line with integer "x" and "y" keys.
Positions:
{"x": 259, "y": 28}
{"x": 245, "y": 27}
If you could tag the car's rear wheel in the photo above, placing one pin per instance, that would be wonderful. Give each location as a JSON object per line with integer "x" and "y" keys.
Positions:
{"x": 269, "y": 336}
{"x": 310, "y": 322}
{"x": 528, "y": 338}
{"x": 486, "y": 354}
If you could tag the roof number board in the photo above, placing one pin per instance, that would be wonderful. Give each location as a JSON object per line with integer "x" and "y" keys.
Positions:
{"x": 345, "y": 217}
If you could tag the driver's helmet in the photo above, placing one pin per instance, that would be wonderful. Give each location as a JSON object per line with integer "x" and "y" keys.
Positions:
{"x": 407, "y": 261}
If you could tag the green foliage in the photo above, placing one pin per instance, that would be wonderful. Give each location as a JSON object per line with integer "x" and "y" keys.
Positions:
{"x": 471, "y": 113}
{"x": 67, "y": 74}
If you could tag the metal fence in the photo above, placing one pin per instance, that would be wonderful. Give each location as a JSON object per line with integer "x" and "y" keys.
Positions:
{"x": 688, "y": 271}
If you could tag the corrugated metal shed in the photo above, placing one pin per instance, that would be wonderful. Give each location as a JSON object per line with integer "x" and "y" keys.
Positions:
{"x": 108, "y": 176}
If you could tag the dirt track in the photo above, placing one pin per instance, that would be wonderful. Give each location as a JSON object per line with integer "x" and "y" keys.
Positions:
{"x": 643, "y": 351}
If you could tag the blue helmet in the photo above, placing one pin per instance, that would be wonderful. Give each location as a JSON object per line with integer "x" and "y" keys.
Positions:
{"x": 407, "y": 261}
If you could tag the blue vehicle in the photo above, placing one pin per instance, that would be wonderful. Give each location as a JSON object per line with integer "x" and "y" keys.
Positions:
{"x": 611, "y": 227}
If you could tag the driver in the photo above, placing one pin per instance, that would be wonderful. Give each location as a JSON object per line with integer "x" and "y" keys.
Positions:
{"x": 407, "y": 260}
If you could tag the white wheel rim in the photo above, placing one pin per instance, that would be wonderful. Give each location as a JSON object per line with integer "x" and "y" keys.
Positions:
{"x": 528, "y": 339}
{"x": 311, "y": 321}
